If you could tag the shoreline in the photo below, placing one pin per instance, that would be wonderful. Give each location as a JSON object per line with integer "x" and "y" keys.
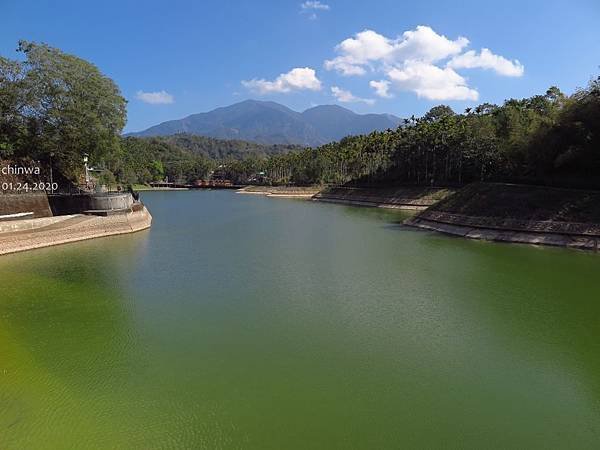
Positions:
{"x": 514, "y": 213}
{"x": 409, "y": 198}
{"x": 435, "y": 211}
{"x": 40, "y": 233}
{"x": 280, "y": 191}
{"x": 511, "y": 236}
{"x": 374, "y": 204}
{"x": 473, "y": 212}
{"x": 150, "y": 189}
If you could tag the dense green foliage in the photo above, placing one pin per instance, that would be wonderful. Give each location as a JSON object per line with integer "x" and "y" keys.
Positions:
{"x": 186, "y": 158}
{"x": 145, "y": 160}
{"x": 219, "y": 149}
{"x": 55, "y": 104}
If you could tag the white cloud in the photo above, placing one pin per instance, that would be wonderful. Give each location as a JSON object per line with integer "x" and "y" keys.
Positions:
{"x": 344, "y": 66}
{"x": 424, "y": 44}
{"x": 487, "y": 60}
{"x": 344, "y": 96}
{"x": 312, "y": 7}
{"x": 299, "y": 78}
{"x": 366, "y": 47}
{"x": 431, "y": 82}
{"x": 355, "y": 53}
{"x": 315, "y": 5}
{"x": 382, "y": 88}
{"x": 420, "y": 60}
{"x": 155, "y": 98}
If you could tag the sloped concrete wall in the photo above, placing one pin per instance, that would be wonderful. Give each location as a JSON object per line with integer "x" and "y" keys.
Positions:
{"x": 407, "y": 197}
{"x": 76, "y": 228}
{"x": 37, "y": 203}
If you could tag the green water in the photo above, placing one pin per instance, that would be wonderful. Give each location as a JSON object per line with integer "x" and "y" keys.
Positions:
{"x": 245, "y": 322}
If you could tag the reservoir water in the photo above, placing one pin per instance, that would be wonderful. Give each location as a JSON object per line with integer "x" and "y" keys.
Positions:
{"x": 243, "y": 322}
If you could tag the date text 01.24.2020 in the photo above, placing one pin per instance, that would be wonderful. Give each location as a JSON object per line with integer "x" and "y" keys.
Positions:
{"x": 28, "y": 187}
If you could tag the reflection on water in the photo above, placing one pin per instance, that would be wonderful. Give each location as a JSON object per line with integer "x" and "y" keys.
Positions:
{"x": 247, "y": 322}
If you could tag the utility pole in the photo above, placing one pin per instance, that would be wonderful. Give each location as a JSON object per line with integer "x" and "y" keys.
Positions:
{"x": 51, "y": 179}
{"x": 87, "y": 173}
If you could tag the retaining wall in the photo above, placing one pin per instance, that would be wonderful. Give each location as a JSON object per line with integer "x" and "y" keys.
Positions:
{"x": 76, "y": 204}
{"x": 37, "y": 203}
{"x": 407, "y": 197}
{"x": 517, "y": 213}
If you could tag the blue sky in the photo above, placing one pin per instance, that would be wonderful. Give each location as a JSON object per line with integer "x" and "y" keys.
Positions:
{"x": 176, "y": 58}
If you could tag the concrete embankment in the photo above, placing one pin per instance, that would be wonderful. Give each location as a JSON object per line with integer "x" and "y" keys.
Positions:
{"x": 519, "y": 214}
{"x": 280, "y": 191}
{"x": 406, "y": 197}
{"x": 30, "y": 234}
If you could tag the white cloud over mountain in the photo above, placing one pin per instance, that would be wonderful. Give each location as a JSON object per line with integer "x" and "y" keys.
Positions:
{"x": 420, "y": 60}
{"x": 155, "y": 98}
{"x": 355, "y": 53}
{"x": 299, "y": 78}
{"x": 344, "y": 96}
{"x": 381, "y": 87}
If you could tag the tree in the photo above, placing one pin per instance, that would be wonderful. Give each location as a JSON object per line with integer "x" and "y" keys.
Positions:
{"x": 13, "y": 103}
{"x": 53, "y": 102}
{"x": 438, "y": 112}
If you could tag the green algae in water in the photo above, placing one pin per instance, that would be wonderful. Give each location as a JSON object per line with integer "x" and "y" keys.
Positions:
{"x": 247, "y": 322}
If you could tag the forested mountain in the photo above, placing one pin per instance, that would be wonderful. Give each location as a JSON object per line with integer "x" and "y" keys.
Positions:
{"x": 272, "y": 123}
{"x": 332, "y": 122}
{"x": 220, "y": 149}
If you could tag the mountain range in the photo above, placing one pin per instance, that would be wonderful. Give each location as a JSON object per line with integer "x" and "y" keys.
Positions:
{"x": 272, "y": 123}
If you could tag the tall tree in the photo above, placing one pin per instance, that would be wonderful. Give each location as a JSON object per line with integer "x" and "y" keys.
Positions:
{"x": 61, "y": 105}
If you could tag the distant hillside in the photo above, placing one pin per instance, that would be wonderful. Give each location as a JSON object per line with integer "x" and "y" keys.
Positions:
{"x": 221, "y": 149}
{"x": 184, "y": 157}
{"x": 272, "y": 123}
{"x": 332, "y": 122}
